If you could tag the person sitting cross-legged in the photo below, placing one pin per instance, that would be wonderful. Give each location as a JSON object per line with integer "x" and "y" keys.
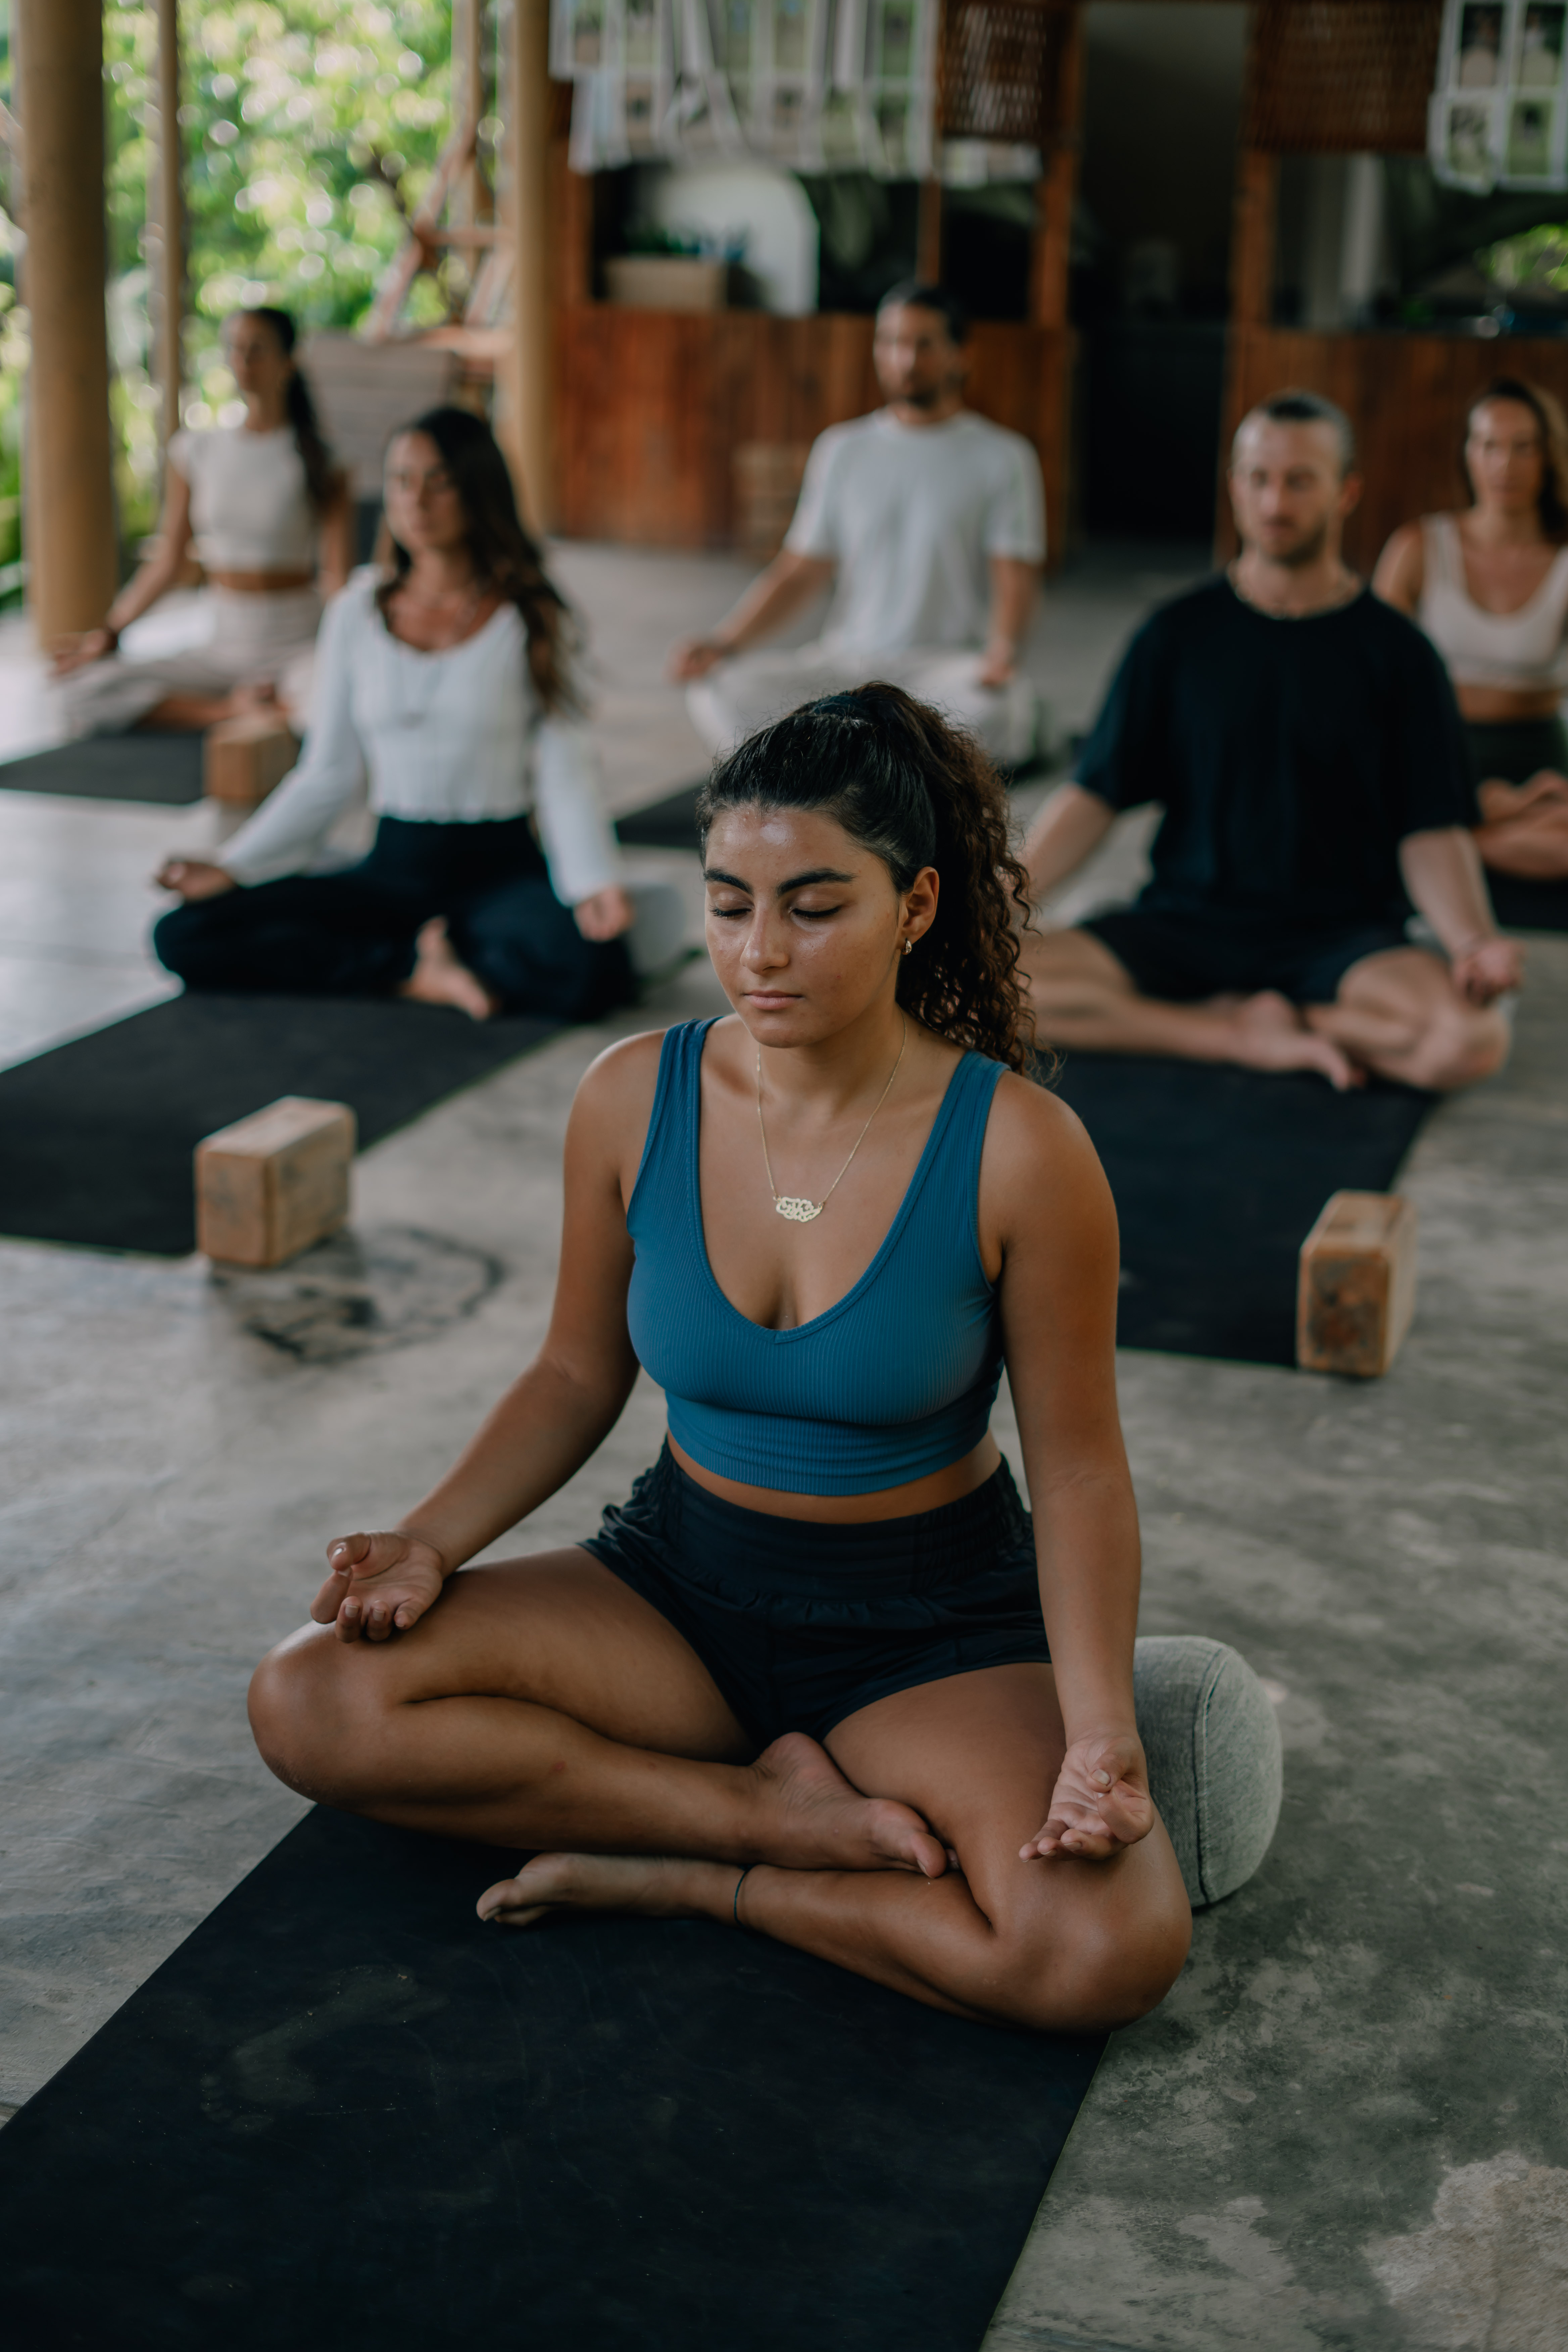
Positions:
{"x": 930, "y": 521}
{"x": 1303, "y": 739}
{"x": 820, "y": 1675}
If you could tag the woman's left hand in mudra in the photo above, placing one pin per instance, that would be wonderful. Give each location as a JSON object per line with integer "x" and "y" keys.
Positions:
{"x": 193, "y": 877}
{"x": 606, "y": 914}
{"x": 1101, "y": 1802}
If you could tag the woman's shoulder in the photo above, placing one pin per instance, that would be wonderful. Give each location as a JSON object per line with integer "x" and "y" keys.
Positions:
{"x": 355, "y": 600}
{"x": 1401, "y": 568}
{"x": 1034, "y": 1140}
{"x": 615, "y": 1094}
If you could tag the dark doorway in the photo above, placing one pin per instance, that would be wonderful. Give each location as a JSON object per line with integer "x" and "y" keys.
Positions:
{"x": 1150, "y": 264}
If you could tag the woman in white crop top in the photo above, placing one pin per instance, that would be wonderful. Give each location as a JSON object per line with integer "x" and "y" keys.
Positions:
{"x": 1489, "y": 586}
{"x": 494, "y": 881}
{"x": 267, "y": 516}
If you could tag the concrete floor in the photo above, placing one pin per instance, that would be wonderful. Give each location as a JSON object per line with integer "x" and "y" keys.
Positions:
{"x": 1344, "y": 2128}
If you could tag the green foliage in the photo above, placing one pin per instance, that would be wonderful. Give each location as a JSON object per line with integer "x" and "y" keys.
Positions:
{"x": 309, "y": 126}
{"x": 1538, "y": 258}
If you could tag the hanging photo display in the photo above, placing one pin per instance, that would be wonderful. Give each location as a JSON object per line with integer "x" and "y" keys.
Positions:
{"x": 822, "y": 85}
{"x": 1499, "y": 117}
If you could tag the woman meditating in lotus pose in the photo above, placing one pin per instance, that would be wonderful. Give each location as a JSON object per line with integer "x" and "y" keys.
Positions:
{"x": 268, "y": 515}
{"x": 818, "y": 1676}
{"x": 1489, "y": 586}
{"x": 446, "y": 681}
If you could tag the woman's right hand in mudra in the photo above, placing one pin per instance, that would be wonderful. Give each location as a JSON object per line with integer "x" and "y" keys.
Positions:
{"x": 67, "y": 653}
{"x": 193, "y": 877}
{"x": 378, "y": 1585}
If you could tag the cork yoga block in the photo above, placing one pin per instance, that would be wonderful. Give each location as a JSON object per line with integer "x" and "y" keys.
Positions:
{"x": 1357, "y": 1288}
{"x": 271, "y": 1184}
{"x": 245, "y": 759}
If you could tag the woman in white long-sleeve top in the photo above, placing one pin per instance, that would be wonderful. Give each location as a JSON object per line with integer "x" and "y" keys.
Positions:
{"x": 493, "y": 884}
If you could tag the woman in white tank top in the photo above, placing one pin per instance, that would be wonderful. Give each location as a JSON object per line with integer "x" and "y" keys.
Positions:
{"x": 267, "y": 516}
{"x": 1489, "y": 586}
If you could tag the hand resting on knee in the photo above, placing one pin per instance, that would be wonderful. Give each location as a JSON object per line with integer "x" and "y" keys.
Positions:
{"x": 378, "y": 1585}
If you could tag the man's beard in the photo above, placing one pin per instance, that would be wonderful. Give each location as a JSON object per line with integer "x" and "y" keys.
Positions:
{"x": 927, "y": 396}
{"x": 1305, "y": 552}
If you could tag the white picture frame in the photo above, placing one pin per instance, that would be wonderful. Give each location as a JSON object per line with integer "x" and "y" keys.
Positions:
{"x": 1465, "y": 139}
{"x": 1532, "y": 152}
{"x": 1539, "y": 47}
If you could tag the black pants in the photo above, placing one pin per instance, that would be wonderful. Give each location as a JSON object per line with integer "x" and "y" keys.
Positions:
{"x": 1515, "y": 749}
{"x": 352, "y": 934}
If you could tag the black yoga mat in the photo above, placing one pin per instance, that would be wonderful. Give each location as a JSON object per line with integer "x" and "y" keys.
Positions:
{"x": 1218, "y": 1176}
{"x": 346, "y": 2113}
{"x": 141, "y": 766}
{"x": 668, "y": 825}
{"x": 672, "y": 823}
{"x": 1522, "y": 905}
{"x": 96, "y": 1137}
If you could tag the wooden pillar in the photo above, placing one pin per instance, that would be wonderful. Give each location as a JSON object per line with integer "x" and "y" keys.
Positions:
{"x": 72, "y": 545}
{"x": 1252, "y": 238}
{"x": 470, "y": 203}
{"x": 1050, "y": 262}
{"x": 1251, "y": 309}
{"x": 168, "y": 223}
{"x": 927, "y": 234}
{"x": 1058, "y": 192}
{"x": 527, "y": 373}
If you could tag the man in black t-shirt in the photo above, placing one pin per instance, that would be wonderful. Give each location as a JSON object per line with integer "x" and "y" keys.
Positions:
{"x": 1303, "y": 739}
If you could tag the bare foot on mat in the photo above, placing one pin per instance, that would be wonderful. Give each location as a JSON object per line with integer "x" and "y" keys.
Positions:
{"x": 1270, "y": 1033}
{"x": 816, "y": 1819}
{"x": 438, "y": 978}
{"x": 659, "y": 1886}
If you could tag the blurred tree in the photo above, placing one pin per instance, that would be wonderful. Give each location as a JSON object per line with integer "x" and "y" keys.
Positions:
{"x": 310, "y": 127}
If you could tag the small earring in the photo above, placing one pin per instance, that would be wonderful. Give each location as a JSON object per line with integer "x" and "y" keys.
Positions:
{"x": 908, "y": 947}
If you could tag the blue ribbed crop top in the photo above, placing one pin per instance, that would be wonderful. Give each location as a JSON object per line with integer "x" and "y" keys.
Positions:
{"x": 894, "y": 1381}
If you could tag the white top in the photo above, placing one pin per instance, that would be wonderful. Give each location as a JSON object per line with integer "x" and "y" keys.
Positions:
{"x": 250, "y": 510}
{"x": 1524, "y": 651}
{"x": 452, "y": 737}
{"x": 910, "y": 514}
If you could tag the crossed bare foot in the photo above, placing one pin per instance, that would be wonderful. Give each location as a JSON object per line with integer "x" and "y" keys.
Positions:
{"x": 438, "y": 978}
{"x": 1268, "y": 1033}
{"x": 809, "y": 1818}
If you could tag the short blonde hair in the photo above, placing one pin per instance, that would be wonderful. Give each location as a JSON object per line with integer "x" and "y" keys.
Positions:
{"x": 1295, "y": 405}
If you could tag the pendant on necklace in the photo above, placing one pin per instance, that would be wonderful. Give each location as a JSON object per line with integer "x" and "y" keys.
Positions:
{"x": 799, "y": 1212}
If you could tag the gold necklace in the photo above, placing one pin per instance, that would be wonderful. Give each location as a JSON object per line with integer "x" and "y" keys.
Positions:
{"x": 789, "y": 1204}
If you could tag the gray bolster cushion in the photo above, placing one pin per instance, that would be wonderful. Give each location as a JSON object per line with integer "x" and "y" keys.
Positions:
{"x": 1215, "y": 1770}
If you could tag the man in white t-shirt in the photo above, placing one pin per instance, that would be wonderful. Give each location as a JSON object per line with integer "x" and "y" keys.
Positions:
{"x": 930, "y": 523}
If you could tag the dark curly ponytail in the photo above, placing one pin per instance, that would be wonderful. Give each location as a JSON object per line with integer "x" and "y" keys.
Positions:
{"x": 324, "y": 482}
{"x": 916, "y": 792}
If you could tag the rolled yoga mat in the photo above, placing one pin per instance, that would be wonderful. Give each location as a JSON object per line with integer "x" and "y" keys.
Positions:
{"x": 141, "y": 766}
{"x": 99, "y": 1134}
{"x": 1218, "y": 1176}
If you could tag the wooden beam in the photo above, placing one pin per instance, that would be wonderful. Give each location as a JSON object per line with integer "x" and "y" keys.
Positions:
{"x": 69, "y": 525}
{"x": 526, "y": 383}
{"x": 168, "y": 221}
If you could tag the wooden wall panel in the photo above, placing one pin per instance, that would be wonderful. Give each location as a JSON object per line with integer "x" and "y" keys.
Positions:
{"x": 1407, "y": 397}
{"x": 652, "y": 404}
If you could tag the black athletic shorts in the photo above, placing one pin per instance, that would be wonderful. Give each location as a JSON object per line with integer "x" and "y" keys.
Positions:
{"x": 1184, "y": 957}
{"x": 801, "y": 1624}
